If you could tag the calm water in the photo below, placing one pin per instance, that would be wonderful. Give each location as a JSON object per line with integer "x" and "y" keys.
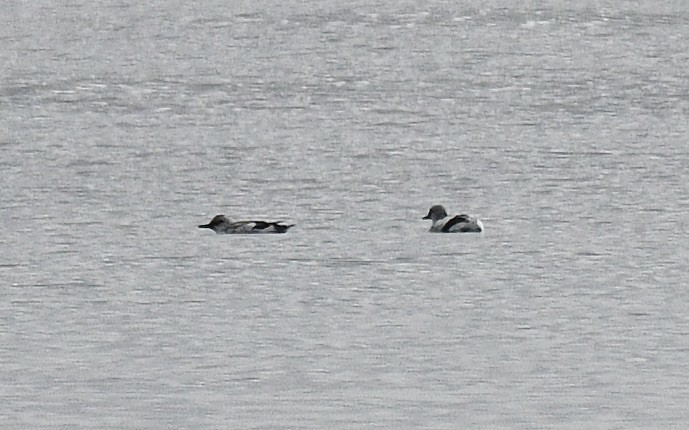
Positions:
{"x": 124, "y": 126}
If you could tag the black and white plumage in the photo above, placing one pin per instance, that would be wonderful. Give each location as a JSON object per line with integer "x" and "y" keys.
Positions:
{"x": 223, "y": 225}
{"x": 442, "y": 223}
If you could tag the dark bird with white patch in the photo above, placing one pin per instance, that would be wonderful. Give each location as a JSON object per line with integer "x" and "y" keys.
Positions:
{"x": 442, "y": 223}
{"x": 223, "y": 225}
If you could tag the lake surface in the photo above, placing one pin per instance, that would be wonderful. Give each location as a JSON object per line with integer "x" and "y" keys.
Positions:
{"x": 564, "y": 128}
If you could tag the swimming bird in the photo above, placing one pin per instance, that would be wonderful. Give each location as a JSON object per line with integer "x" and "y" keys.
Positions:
{"x": 442, "y": 223}
{"x": 223, "y": 225}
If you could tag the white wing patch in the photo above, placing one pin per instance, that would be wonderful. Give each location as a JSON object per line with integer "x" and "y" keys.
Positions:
{"x": 245, "y": 227}
{"x": 472, "y": 225}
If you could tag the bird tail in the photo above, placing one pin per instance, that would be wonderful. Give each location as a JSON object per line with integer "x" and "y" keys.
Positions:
{"x": 281, "y": 228}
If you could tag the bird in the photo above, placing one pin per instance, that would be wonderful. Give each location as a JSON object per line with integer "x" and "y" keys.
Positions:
{"x": 442, "y": 223}
{"x": 223, "y": 225}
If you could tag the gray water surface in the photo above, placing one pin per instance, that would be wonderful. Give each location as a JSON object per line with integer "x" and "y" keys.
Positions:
{"x": 123, "y": 126}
